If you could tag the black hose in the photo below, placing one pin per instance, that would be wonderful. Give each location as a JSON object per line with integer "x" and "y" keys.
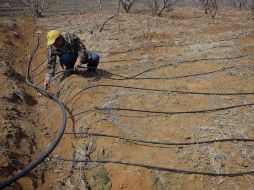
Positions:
{"x": 171, "y": 78}
{"x": 177, "y": 112}
{"x": 161, "y": 90}
{"x": 34, "y": 164}
{"x": 158, "y": 67}
{"x": 163, "y": 112}
{"x": 160, "y": 142}
{"x": 162, "y": 168}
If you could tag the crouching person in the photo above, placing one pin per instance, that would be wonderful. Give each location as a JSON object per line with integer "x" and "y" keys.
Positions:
{"x": 72, "y": 54}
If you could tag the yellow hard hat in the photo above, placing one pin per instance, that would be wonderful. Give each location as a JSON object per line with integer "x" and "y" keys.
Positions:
{"x": 52, "y": 36}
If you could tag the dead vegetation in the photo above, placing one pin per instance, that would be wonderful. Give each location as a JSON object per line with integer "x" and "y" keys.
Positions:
{"x": 158, "y": 6}
{"x": 35, "y": 6}
{"x": 176, "y": 51}
{"x": 210, "y": 7}
{"x": 188, "y": 54}
{"x": 127, "y": 4}
{"x": 252, "y": 7}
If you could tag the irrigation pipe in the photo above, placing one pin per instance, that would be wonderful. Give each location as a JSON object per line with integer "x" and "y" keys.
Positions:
{"x": 85, "y": 134}
{"x": 158, "y": 67}
{"x": 51, "y": 96}
{"x": 161, "y": 90}
{"x": 157, "y": 167}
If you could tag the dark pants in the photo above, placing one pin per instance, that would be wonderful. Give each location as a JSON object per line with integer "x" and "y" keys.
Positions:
{"x": 68, "y": 59}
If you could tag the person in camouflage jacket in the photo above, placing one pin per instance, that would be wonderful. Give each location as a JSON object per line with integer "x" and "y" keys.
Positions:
{"x": 72, "y": 53}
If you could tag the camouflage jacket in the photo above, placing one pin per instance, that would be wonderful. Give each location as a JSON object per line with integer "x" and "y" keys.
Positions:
{"x": 72, "y": 43}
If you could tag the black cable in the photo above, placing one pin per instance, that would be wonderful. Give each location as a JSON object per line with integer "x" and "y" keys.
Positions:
{"x": 157, "y": 67}
{"x": 175, "y": 113}
{"x": 156, "y": 167}
{"x": 133, "y": 76}
{"x": 58, "y": 74}
{"x": 160, "y": 142}
{"x": 172, "y": 78}
{"x": 39, "y": 65}
{"x": 163, "y": 112}
{"x": 161, "y": 90}
{"x": 170, "y": 64}
{"x": 34, "y": 164}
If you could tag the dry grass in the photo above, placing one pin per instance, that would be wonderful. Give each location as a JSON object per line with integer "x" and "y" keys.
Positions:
{"x": 178, "y": 36}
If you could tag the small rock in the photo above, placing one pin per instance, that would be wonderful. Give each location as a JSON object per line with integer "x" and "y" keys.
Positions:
{"x": 245, "y": 163}
{"x": 187, "y": 136}
{"x": 102, "y": 151}
{"x": 192, "y": 178}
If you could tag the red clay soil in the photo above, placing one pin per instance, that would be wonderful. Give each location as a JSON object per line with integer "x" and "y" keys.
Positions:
{"x": 23, "y": 135}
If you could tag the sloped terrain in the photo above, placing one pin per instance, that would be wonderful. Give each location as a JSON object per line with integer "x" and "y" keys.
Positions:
{"x": 18, "y": 136}
{"x": 182, "y": 51}
{"x": 175, "y": 78}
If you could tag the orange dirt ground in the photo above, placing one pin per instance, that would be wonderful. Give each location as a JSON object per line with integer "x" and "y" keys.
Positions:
{"x": 217, "y": 52}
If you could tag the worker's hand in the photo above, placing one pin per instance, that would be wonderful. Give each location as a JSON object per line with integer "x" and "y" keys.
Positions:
{"x": 77, "y": 64}
{"x": 46, "y": 82}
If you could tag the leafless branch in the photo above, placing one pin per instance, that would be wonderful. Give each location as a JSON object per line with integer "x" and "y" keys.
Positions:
{"x": 239, "y": 3}
{"x": 100, "y": 7}
{"x": 210, "y": 7}
{"x": 252, "y": 7}
{"x": 117, "y": 11}
{"x": 127, "y": 4}
{"x": 35, "y": 6}
{"x": 158, "y": 6}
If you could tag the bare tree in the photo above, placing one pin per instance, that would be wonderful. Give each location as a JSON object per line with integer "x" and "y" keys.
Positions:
{"x": 100, "y": 6}
{"x": 239, "y": 3}
{"x": 111, "y": 17}
{"x": 210, "y": 7}
{"x": 243, "y": 3}
{"x": 205, "y": 4}
{"x": 158, "y": 6}
{"x": 35, "y": 6}
{"x": 127, "y": 4}
{"x": 252, "y": 7}
{"x": 145, "y": 25}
